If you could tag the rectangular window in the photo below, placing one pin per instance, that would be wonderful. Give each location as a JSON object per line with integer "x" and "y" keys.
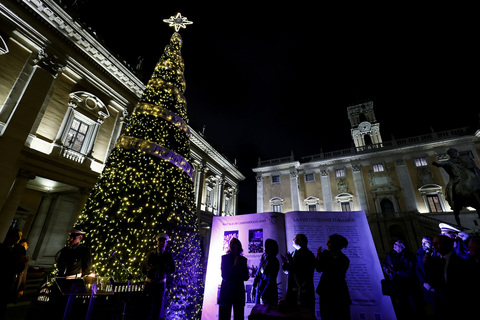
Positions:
{"x": 345, "y": 205}
{"x": 309, "y": 177}
{"x": 434, "y": 203}
{"x": 209, "y": 198}
{"x": 227, "y": 206}
{"x": 312, "y": 207}
{"x": 340, "y": 173}
{"x": 76, "y": 135}
{"x": 276, "y": 179}
{"x": 421, "y": 162}
{"x": 378, "y": 167}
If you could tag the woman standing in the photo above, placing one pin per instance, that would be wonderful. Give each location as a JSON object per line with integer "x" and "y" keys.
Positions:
{"x": 333, "y": 291}
{"x": 232, "y": 291}
{"x": 265, "y": 284}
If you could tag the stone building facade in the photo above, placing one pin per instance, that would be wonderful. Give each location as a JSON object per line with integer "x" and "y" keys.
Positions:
{"x": 394, "y": 182}
{"x": 64, "y": 100}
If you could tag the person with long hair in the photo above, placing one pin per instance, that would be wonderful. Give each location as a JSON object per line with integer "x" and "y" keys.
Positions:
{"x": 232, "y": 290}
{"x": 265, "y": 290}
{"x": 332, "y": 288}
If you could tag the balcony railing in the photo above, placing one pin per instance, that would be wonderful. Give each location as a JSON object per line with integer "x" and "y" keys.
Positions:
{"x": 434, "y": 136}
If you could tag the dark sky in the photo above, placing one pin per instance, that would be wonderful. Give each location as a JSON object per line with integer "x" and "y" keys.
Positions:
{"x": 266, "y": 80}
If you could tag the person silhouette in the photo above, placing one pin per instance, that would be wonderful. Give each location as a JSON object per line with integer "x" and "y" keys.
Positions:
{"x": 232, "y": 290}
{"x": 332, "y": 288}
{"x": 449, "y": 277}
{"x": 265, "y": 290}
{"x": 399, "y": 267}
{"x": 300, "y": 266}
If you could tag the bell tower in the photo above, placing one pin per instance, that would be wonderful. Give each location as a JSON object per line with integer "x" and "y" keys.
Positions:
{"x": 364, "y": 126}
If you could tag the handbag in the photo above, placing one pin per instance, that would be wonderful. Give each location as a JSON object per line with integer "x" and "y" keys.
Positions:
{"x": 387, "y": 287}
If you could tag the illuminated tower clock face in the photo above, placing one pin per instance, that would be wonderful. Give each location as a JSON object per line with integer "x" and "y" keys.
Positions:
{"x": 364, "y": 126}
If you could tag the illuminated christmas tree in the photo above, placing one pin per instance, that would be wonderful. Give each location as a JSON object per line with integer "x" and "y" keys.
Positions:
{"x": 147, "y": 188}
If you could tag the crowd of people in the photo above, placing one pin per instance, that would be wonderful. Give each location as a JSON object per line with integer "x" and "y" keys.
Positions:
{"x": 300, "y": 266}
{"x": 439, "y": 281}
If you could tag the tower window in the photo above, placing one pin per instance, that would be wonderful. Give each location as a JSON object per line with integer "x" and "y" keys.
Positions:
{"x": 378, "y": 167}
{"x": 276, "y": 179}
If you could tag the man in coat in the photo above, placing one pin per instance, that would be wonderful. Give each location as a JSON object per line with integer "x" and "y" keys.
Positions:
{"x": 74, "y": 261}
{"x": 300, "y": 267}
{"x": 157, "y": 265}
{"x": 448, "y": 275}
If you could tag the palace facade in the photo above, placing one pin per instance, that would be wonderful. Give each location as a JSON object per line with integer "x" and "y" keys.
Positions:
{"x": 394, "y": 182}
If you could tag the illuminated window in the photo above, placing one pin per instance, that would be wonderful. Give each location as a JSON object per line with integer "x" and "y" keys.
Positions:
{"x": 345, "y": 201}
{"x": 432, "y": 197}
{"x": 378, "y": 167}
{"x": 421, "y": 162}
{"x": 82, "y": 122}
{"x": 276, "y": 204}
{"x": 312, "y": 204}
{"x": 345, "y": 206}
{"x": 76, "y": 135}
{"x": 340, "y": 173}
{"x": 434, "y": 204}
{"x": 80, "y": 132}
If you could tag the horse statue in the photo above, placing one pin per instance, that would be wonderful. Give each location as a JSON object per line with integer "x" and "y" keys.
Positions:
{"x": 463, "y": 188}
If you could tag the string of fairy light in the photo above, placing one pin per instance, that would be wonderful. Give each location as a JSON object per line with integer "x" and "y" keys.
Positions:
{"x": 146, "y": 188}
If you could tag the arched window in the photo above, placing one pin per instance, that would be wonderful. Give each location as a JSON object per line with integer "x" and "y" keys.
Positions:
{"x": 387, "y": 206}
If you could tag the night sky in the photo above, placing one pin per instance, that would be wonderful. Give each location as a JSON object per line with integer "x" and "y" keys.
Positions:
{"x": 267, "y": 80}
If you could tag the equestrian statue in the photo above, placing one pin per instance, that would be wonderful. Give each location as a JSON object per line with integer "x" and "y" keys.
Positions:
{"x": 463, "y": 188}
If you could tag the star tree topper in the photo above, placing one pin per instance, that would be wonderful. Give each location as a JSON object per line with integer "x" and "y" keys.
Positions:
{"x": 177, "y": 22}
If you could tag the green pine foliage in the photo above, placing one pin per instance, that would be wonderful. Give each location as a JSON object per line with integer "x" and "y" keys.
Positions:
{"x": 141, "y": 192}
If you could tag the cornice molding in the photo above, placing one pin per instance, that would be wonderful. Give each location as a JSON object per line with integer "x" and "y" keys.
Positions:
{"x": 58, "y": 19}
{"x": 204, "y": 146}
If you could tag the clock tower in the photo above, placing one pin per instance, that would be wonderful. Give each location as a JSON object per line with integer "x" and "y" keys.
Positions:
{"x": 364, "y": 126}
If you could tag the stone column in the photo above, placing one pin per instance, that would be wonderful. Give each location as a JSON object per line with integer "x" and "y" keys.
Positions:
{"x": 11, "y": 204}
{"x": 359, "y": 187}
{"x": 19, "y": 115}
{"x": 202, "y": 171}
{"x": 221, "y": 195}
{"x": 37, "y": 232}
{"x": 294, "y": 190}
{"x": 259, "y": 193}
{"x": 326, "y": 190}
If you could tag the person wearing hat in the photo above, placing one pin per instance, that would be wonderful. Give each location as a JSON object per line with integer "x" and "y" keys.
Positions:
{"x": 75, "y": 260}
{"x": 157, "y": 265}
{"x": 459, "y": 245}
